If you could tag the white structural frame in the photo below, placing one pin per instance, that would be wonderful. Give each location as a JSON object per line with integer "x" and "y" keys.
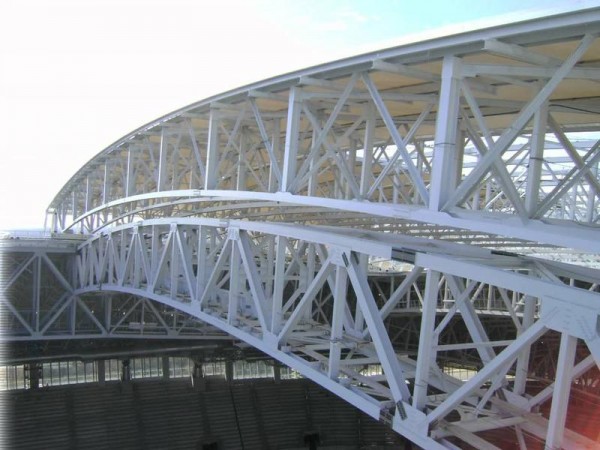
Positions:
{"x": 305, "y": 296}
{"x": 279, "y": 270}
{"x": 270, "y": 212}
{"x": 424, "y": 133}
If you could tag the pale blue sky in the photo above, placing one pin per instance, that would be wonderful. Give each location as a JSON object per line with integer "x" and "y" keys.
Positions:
{"x": 76, "y": 75}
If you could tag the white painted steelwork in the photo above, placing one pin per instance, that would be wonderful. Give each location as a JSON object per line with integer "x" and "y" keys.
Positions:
{"x": 313, "y": 215}
{"x": 303, "y": 295}
{"x": 469, "y": 132}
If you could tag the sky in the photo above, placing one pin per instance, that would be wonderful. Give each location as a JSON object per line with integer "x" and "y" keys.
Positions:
{"x": 76, "y": 75}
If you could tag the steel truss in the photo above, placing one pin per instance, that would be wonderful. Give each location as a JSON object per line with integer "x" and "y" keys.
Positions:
{"x": 371, "y": 211}
{"x": 328, "y": 303}
{"x": 38, "y": 302}
{"x": 472, "y": 134}
{"x": 307, "y": 296}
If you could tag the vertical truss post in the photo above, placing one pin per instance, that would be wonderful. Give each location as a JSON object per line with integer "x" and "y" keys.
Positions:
{"x": 427, "y": 339}
{"x": 136, "y": 249}
{"x": 562, "y": 390}
{"x": 536, "y": 159}
{"x": 522, "y": 369}
{"x": 279, "y": 284}
{"x": 351, "y": 165}
{"x": 461, "y": 141}
{"x": 309, "y": 274}
{"x": 212, "y": 151}
{"x": 105, "y": 183}
{"x": 51, "y": 215}
{"x": 367, "y": 162}
{"x": 592, "y": 213}
{"x": 162, "y": 160}
{"x": 573, "y": 209}
{"x": 445, "y": 153}
{"x": 270, "y": 264}
{"x": 234, "y": 282}
{"x": 74, "y": 206}
{"x": 174, "y": 262}
{"x": 201, "y": 260}
{"x": 273, "y": 167}
{"x": 61, "y": 216}
{"x": 312, "y": 180}
{"x": 292, "y": 134}
{"x": 130, "y": 180}
{"x": 154, "y": 260}
{"x": 359, "y": 319}
{"x": 241, "y": 177}
{"x": 37, "y": 286}
{"x": 337, "y": 321}
{"x": 88, "y": 193}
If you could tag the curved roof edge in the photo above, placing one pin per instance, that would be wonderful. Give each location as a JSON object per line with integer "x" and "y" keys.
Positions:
{"x": 570, "y": 23}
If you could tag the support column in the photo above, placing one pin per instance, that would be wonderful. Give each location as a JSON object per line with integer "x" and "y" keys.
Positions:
{"x": 268, "y": 278}
{"x": 130, "y": 175}
{"x": 366, "y": 174}
{"x": 279, "y": 284}
{"x": 591, "y": 212}
{"x": 234, "y": 277}
{"x": 175, "y": 262}
{"x": 427, "y": 339}
{"x": 359, "y": 319}
{"x": 536, "y": 158}
{"x": 292, "y": 133}
{"x": 241, "y": 175}
{"x": 562, "y": 390}
{"x": 312, "y": 180}
{"x": 86, "y": 207}
{"x": 212, "y": 151}
{"x": 201, "y": 262}
{"x": 88, "y": 194}
{"x": 74, "y": 206}
{"x": 106, "y": 183}
{"x": 445, "y": 153}
{"x": 337, "y": 321}
{"x": 275, "y": 141}
{"x": 522, "y": 369}
{"x": 308, "y": 276}
{"x": 37, "y": 291}
{"x": 351, "y": 165}
{"x": 161, "y": 182}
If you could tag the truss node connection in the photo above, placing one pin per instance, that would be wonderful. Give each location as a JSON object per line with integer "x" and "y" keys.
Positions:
{"x": 420, "y": 209}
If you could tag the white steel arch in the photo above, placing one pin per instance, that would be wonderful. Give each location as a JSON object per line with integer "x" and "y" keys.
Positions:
{"x": 471, "y": 132}
{"x": 261, "y": 283}
{"x": 270, "y": 211}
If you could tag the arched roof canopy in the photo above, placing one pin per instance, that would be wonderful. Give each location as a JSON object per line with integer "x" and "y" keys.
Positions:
{"x": 476, "y": 137}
